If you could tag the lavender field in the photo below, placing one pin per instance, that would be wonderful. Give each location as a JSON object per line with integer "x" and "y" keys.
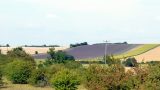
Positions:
{"x": 95, "y": 50}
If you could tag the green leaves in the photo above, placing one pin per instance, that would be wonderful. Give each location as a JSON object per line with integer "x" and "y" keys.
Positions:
{"x": 65, "y": 80}
{"x": 39, "y": 77}
{"x": 19, "y": 71}
{"x": 59, "y": 56}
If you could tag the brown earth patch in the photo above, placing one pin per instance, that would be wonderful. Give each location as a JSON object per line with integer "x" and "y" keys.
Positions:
{"x": 152, "y": 55}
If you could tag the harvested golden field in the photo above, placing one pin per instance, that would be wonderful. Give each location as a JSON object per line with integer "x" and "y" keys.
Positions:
{"x": 31, "y": 50}
{"x": 152, "y": 55}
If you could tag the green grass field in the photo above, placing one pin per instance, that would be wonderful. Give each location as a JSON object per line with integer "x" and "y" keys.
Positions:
{"x": 137, "y": 51}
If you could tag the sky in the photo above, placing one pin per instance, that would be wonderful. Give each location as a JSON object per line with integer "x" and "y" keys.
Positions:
{"x": 37, "y": 22}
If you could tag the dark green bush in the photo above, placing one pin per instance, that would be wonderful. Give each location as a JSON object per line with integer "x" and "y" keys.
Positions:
{"x": 130, "y": 62}
{"x": 39, "y": 78}
{"x": 19, "y": 71}
{"x": 36, "y": 52}
{"x": 65, "y": 80}
{"x": 59, "y": 56}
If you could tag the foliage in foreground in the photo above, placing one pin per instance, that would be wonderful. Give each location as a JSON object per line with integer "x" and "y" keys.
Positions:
{"x": 111, "y": 60}
{"x": 65, "y": 80}
{"x": 110, "y": 78}
{"x": 4, "y": 59}
{"x": 39, "y": 77}
{"x": 67, "y": 74}
{"x": 21, "y": 54}
{"x": 18, "y": 71}
{"x": 1, "y": 82}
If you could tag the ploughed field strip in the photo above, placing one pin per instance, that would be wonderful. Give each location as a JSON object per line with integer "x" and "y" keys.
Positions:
{"x": 94, "y": 51}
{"x": 138, "y": 50}
{"x": 151, "y": 55}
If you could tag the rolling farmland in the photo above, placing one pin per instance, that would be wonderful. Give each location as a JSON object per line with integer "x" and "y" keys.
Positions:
{"x": 31, "y": 50}
{"x": 152, "y": 55}
{"x": 94, "y": 51}
{"x": 138, "y": 50}
{"x": 97, "y": 50}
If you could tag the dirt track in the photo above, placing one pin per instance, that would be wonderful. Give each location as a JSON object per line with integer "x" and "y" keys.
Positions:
{"x": 152, "y": 55}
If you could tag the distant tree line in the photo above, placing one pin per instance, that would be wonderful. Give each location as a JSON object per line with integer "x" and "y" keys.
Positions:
{"x": 41, "y": 45}
{"x": 78, "y": 44}
{"x": 7, "y": 45}
{"x": 121, "y": 43}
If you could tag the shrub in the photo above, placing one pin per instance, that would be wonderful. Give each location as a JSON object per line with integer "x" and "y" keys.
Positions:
{"x": 39, "y": 78}
{"x": 48, "y": 62}
{"x": 65, "y": 80}
{"x": 4, "y": 60}
{"x": 153, "y": 63}
{"x": 1, "y": 83}
{"x": 73, "y": 65}
{"x": 153, "y": 82}
{"x": 53, "y": 69}
{"x": 130, "y": 62}
{"x": 108, "y": 78}
{"x": 21, "y": 54}
{"x": 59, "y": 56}
{"x": 111, "y": 60}
{"x": 36, "y": 52}
{"x": 93, "y": 81}
{"x": 18, "y": 71}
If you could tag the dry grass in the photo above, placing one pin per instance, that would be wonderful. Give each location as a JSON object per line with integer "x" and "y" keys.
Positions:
{"x": 31, "y": 50}
{"x": 24, "y": 87}
{"x": 152, "y": 55}
{"x": 29, "y": 87}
